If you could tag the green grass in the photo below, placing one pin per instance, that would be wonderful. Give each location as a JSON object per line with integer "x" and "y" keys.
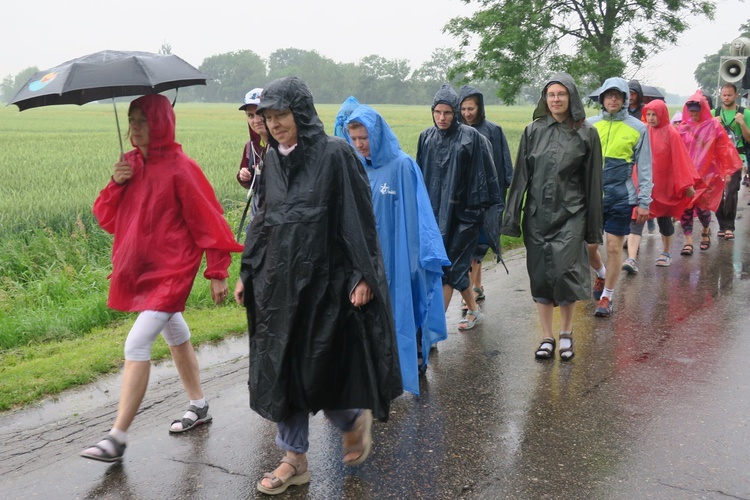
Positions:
{"x": 55, "y": 329}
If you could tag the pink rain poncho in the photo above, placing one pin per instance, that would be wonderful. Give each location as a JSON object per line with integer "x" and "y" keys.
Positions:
{"x": 672, "y": 168}
{"x": 714, "y": 154}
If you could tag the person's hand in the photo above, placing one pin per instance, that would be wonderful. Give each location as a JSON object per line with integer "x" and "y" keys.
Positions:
{"x": 239, "y": 292}
{"x": 641, "y": 215}
{"x": 245, "y": 174}
{"x": 361, "y": 294}
{"x": 739, "y": 118}
{"x": 690, "y": 192}
{"x": 123, "y": 172}
{"x": 219, "y": 290}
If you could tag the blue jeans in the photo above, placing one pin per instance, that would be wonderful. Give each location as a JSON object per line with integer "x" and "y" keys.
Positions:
{"x": 292, "y": 432}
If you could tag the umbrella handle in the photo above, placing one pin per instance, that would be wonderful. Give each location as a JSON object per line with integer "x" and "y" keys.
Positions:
{"x": 119, "y": 134}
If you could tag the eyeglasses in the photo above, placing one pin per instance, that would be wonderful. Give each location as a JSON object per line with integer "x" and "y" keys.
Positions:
{"x": 559, "y": 95}
{"x": 443, "y": 113}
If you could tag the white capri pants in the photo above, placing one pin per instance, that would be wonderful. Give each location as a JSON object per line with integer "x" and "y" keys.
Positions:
{"x": 147, "y": 327}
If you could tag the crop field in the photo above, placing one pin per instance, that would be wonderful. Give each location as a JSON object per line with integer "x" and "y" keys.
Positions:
{"x": 54, "y": 259}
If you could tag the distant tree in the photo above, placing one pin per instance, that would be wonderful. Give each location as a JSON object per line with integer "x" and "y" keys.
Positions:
{"x": 383, "y": 80}
{"x": 7, "y": 88}
{"x": 166, "y": 48}
{"x": 11, "y": 85}
{"x": 232, "y": 75}
{"x": 591, "y": 40}
{"x": 327, "y": 79}
{"x": 435, "y": 70}
{"x": 426, "y": 79}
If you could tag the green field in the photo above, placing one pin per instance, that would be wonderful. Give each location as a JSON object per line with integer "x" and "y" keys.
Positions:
{"x": 55, "y": 328}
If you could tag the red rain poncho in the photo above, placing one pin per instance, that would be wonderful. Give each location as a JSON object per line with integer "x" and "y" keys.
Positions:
{"x": 163, "y": 219}
{"x": 672, "y": 168}
{"x": 714, "y": 154}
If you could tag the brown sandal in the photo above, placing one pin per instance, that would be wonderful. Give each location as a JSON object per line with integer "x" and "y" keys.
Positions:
{"x": 362, "y": 432}
{"x": 301, "y": 476}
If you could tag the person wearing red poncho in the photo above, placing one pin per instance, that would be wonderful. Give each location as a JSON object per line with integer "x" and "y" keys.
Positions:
{"x": 715, "y": 158}
{"x": 674, "y": 178}
{"x": 164, "y": 216}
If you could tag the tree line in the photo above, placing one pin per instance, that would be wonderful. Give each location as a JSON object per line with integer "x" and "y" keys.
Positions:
{"x": 373, "y": 79}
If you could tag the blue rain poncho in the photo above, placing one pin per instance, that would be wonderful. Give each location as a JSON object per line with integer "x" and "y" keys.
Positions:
{"x": 412, "y": 246}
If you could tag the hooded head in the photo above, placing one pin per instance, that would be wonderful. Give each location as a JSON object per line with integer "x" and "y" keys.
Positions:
{"x": 447, "y": 96}
{"x": 635, "y": 90}
{"x": 698, "y": 104}
{"x": 619, "y": 85}
{"x": 659, "y": 107}
{"x": 575, "y": 105}
{"x": 161, "y": 121}
{"x": 292, "y": 93}
{"x": 384, "y": 145}
{"x": 474, "y": 107}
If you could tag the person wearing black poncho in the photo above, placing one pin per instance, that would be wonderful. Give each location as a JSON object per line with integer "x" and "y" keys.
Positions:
{"x": 460, "y": 176}
{"x": 319, "y": 315}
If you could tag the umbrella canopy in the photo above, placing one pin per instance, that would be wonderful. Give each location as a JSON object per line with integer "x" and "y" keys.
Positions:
{"x": 104, "y": 75}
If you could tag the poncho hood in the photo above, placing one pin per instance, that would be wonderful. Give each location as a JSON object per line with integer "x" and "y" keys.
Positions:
{"x": 292, "y": 93}
{"x": 705, "y": 109}
{"x": 161, "y": 123}
{"x": 619, "y": 84}
{"x": 468, "y": 91}
{"x": 446, "y": 95}
{"x": 662, "y": 112}
{"x": 349, "y": 105}
{"x": 635, "y": 86}
{"x": 575, "y": 103}
{"x": 384, "y": 146}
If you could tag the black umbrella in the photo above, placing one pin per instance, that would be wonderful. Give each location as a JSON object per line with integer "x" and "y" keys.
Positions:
{"x": 106, "y": 75}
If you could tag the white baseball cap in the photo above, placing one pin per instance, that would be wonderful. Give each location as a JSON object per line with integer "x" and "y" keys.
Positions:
{"x": 251, "y": 98}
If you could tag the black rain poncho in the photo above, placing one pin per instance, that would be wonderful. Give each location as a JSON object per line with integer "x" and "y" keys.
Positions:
{"x": 559, "y": 172}
{"x": 456, "y": 164}
{"x": 311, "y": 242}
{"x": 493, "y": 217}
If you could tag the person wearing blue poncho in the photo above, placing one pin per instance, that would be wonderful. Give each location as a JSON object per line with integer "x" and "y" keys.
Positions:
{"x": 410, "y": 239}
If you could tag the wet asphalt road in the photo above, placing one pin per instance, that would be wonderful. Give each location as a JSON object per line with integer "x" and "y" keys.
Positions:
{"x": 656, "y": 404}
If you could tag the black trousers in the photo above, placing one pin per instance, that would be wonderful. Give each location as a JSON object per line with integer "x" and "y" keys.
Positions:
{"x": 727, "y": 210}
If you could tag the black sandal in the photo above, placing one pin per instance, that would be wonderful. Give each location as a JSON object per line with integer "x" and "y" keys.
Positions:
{"x": 546, "y": 349}
{"x": 687, "y": 249}
{"x": 188, "y": 423}
{"x": 566, "y": 354}
{"x": 105, "y": 455}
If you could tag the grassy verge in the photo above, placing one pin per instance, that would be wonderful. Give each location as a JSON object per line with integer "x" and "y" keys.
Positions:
{"x": 27, "y": 374}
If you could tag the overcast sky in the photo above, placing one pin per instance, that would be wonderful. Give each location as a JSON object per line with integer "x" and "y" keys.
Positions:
{"x": 45, "y": 33}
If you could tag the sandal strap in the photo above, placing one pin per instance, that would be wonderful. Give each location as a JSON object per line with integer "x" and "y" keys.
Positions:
{"x": 297, "y": 465}
{"x": 275, "y": 481}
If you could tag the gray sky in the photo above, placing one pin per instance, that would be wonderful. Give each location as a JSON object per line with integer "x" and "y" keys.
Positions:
{"x": 45, "y": 33}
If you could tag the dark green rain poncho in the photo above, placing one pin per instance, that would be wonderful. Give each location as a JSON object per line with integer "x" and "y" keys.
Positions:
{"x": 311, "y": 242}
{"x": 460, "y": 177}
{"x": 559, "y": 172}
